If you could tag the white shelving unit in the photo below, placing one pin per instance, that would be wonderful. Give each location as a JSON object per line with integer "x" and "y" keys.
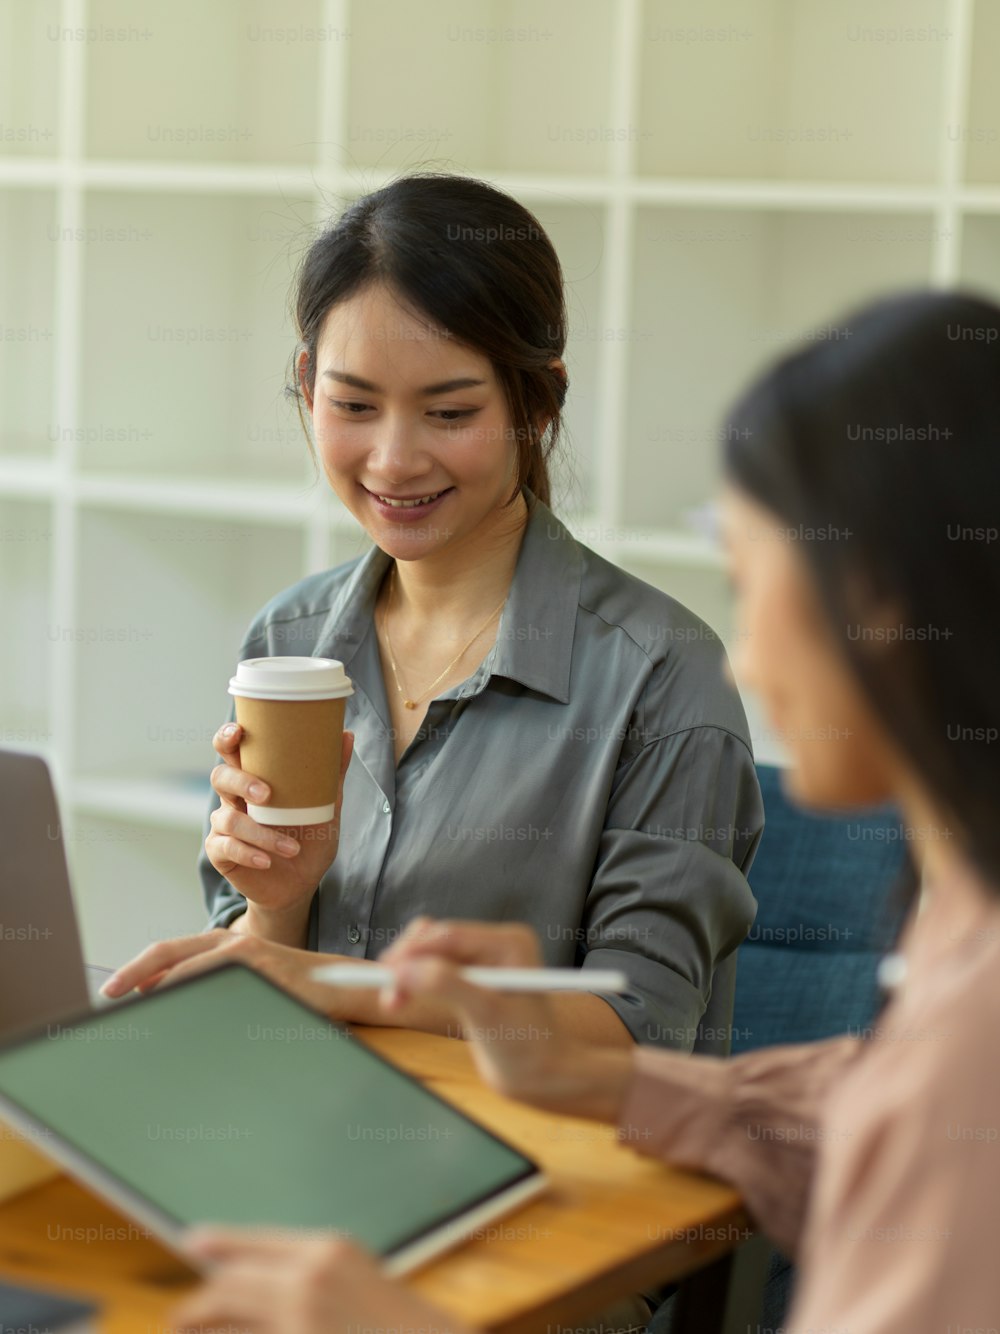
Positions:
{"x": 721, "y": 179}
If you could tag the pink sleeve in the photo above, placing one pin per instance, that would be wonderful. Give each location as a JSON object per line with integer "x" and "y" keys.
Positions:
{"x": 751, "y": 1120}
{"x": 903, "y": 1234}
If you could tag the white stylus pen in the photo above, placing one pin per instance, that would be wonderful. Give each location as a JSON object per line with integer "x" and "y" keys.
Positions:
{"x": 607, "y": 981}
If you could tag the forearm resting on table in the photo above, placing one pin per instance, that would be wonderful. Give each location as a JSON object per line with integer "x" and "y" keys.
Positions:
{"x": 579, "y": 1018}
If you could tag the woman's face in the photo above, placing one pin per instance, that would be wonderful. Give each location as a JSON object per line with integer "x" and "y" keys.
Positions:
{"x": 401, "y": 413}
{"x": 787, "y": 655}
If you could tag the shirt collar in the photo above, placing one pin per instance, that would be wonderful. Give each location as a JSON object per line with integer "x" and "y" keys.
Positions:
{"x": 534, "y": 643}
{"x": 535, "y": 636}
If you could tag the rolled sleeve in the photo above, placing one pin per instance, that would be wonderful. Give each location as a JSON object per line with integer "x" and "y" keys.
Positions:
{"x": 669, "y": 899}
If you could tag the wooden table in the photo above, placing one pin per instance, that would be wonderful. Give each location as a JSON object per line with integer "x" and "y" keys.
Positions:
{"x": 613, "y": 1223}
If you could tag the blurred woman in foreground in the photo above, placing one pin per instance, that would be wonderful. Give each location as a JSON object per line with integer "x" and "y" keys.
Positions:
{"x": 860, "y": 512}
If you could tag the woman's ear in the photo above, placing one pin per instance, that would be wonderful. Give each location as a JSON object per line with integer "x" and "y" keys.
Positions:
{"x": 302, "y": 368}
{"x": 558, "y": 367}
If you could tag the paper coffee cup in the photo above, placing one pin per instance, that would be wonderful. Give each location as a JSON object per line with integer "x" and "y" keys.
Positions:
{"x": 292, "y": 714}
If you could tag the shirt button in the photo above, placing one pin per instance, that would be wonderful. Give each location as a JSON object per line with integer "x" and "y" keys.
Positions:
{"x": 386, "y": 808}
{"x": 353, "y": 935}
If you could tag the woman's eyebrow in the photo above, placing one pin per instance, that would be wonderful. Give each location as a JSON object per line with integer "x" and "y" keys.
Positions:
{"x": 443, "y": 387}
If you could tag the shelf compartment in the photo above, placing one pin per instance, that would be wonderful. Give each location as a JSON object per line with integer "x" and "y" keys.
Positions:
{"x": 133, "y": 884}
{"x": 154, "y": 652}
{"x": 29, "y": 108}
{"x": 27, "y": 322}
{"x": 718, "y": 296}
{"x": 793, "y": 89}
{"x": 487, "y": 86}
{"x": 234, "y": 81}
{"x": 578, "y": 234}
{"x": 184, "y": 371}
{"x": 26, "y": 540}
{"x": 979, "y": 133}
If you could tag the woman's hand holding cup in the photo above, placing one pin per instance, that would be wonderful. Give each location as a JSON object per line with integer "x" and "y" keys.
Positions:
{"x": 275, "y": 867}
{"x": 276, "y": 832}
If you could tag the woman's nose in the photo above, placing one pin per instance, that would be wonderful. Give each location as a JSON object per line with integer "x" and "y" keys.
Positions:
{"x": 395, "y": 454}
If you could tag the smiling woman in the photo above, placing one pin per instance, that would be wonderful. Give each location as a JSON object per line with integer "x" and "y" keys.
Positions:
{"x": 470, "y": 268}
{"x": 537, "y": 736}
{"x": 426, "y": 430}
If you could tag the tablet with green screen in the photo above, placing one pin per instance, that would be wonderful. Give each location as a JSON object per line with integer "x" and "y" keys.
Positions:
{"x": 222, "y": 1099}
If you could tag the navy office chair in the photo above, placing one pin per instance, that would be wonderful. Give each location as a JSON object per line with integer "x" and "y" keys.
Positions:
{"x": 827, "y": 913}
{"x": 825, "y": 917}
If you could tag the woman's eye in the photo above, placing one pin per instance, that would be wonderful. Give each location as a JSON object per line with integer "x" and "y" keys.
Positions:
{"x": 454, "y": 414}
{"x": 353, "y": 408}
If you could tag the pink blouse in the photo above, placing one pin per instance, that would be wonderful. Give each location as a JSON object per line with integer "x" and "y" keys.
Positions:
{"x": 873, "y": 1159}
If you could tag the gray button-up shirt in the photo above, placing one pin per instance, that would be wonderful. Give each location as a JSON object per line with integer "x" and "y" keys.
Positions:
{"x": 593, "y": 777}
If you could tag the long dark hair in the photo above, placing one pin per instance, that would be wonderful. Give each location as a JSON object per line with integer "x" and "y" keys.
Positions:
{"x": 880, "y": 449}
{"x": 477, "y": 265}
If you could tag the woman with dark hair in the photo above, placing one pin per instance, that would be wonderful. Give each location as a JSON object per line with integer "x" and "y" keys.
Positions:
{"x": 861, "y": 518}
{"x": 537, "y": 735}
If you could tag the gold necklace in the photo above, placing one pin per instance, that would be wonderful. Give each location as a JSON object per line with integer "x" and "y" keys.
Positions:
{"x": 413, "y": 703}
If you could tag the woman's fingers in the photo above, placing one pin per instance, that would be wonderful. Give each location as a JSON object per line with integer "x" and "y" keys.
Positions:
{"x": 199, "y": 963}
{"x": 509, "y": 1034}
{"x": 250, "y": 837}
{"x": 227, "y": 742}
{"x": 441, "y": 981}
{"x": 506, "y": 945}
{"x": 237, "y": 786}
{"x": 227, "y": 745}
{"x": 261, "y": 1245}
{"x": 225, "y": 853}
{"x": 160, "y": 958}
{"x": 233, "y": 785}
{"x": 347, "y": 750}
{"x": 238, "y": 1299}
{"x": 306, "y": 1283}
{"x": 299, "y": 1284}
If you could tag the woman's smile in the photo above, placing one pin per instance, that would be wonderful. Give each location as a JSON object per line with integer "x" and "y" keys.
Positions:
{"x": 405, "y": 507}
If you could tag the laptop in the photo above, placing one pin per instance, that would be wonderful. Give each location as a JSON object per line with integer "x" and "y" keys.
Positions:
{"x": 42, "y": 977}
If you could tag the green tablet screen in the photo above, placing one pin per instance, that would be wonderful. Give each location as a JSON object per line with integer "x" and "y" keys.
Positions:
{"x": 224, "y": 1100}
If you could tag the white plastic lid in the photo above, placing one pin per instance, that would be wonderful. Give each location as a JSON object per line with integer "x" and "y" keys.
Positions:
{"x": 291, "y": 678}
